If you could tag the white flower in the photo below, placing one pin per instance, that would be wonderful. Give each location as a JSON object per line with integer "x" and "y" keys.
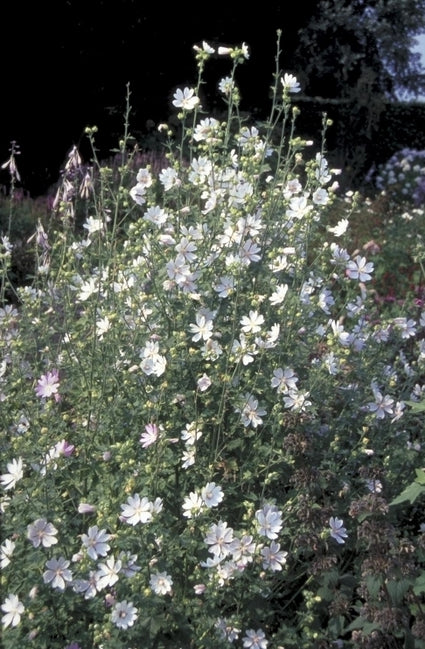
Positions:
{"x": 107, "y": 573}
{"x": 227, "y": 631}
{"x": 245, "y": 51}
{"x": 340, "y": 228}
{"x": 6, "y": 551}
{"x": 161, "y": 583}
{"x": 96, "y": 542}
{"x": 93, "y": 225}
{"x": 203, "y": 383}
{"x": 225, "y": 286}
{"x": 284, "y": 380}
{"x": 298, "y": 207}
{"x": 320, "y": 196}
{"x": 383, "y": 405}
{"x": 57, "y": 573}
{"x": 205, "y": 48}
{"x": 243, "y": 550}
{"x": 137, "y": 193}
{"x": 255, "y": 639}
{"x": 129, "y": 566}
{"x": 190, "y": 434}
{"x": 273, "y": 557}
{"x": 188, "y": 457}
{"x": 290, "y": 83}
{"x": 251, "y": 414}
{"x": 359, "y": 269}
{"x": 269, "y": 519}
{"x": 13, "y": 610}
{"x": 252, "y": 323}
{"x": 102, "y": 326}
{"x": 374, "y": 485}
{"x": 42, "y": 532}
{"x": 169, "y": 178}
{"x": 192, "y": 505}
{"x": 406, "y": 327}
{"x": 144, "y": 177}
{"x": 185, "y": 99}
{"x": 220, "y": 540}
{"x": 206, "y": 129}
{"x": 138, "y": 510}
{"x": 203, "y": 328}
{"x": 338, "y": 532}
{"x": 15, "y": 468}
{"x": 212, "y": 494}
{"x": 86, "y": 586}
{"x": 156, "y": 215}
{"x": 224, "y": 51}
{"x": 279, "y": 294}
{"x": 226, "y": 86}
{"x": 124, "y": 614}
{"x": 297, "y": 400}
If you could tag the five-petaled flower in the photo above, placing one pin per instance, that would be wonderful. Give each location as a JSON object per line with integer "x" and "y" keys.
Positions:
{"x": 96, "y": 542}
{"x": 161, "y": 583}
{"x": 15, "y": 468}
{"x": 124, "y": 614}
{"x": 42, "y": 532}
{"x": 150, "y": 435}
{"x": 13, "y": 609}
{"x": 185, "y": 99}
{"x": 48, "y": 385}
{"x": 338, "y": 531}
{"x": 57, "y": 573}
{"x": 255, "y": 639}
{"x": 290, "y": 83}
{"x": 359, "y": 268}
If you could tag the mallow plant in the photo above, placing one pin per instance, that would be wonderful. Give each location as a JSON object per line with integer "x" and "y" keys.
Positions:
{"x": 208, "y": 424}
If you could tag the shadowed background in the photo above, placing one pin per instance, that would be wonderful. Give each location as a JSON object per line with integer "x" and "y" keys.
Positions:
{"x": 66, "y": 66}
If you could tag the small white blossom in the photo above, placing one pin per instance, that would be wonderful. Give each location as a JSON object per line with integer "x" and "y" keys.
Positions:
{"x": 6, "y": 551}
{"x": 359, "y": 269}
{"x": 15, "y": 468}
{"x": 338, "y": 531}
{"x": 124, "y": 614}
{"x": 96, "y": 542}
{"x": 13, "y": 609}
{"x": 57, "y": 573}
{"x": 161, "y": 583}
{"x": 290, "y": 83}
{"x": 185, "y": 99}
{"x": 212, "y": 494}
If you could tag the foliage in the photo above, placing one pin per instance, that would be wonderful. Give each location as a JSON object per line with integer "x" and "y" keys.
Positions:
{"x": 362, "y": 49}
{"x": 198, "y": 392}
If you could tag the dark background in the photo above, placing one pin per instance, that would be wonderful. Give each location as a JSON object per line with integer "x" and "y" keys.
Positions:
{"x": 66, "y": 65}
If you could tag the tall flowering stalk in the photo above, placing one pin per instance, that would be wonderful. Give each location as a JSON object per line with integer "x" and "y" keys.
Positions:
{"x": 197, "y": 395}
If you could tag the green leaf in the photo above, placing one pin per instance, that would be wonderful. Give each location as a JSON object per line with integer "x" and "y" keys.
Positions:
{"x": 419, "y": 585}
{"x": 397, "y": 590}
{"x": 417, "y": 406}
{"x": 420, "y": 476}
{"x": 373, "y": 585}
{"x": 410, "y": 493}
{"x": 361, "y": 623}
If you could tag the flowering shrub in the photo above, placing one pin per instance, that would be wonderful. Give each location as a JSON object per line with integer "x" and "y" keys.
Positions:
{"x": 402, "y": 177}
{"x": 207, "y": 423}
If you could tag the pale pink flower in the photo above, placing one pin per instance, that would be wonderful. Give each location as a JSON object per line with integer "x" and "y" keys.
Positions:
{"x": 57, "y": 573}
{"x": 42, "y": 532}
{"x": 48, "y": 385}
{"x": 150, "y": 436}
{"x": 161, "y": 583}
